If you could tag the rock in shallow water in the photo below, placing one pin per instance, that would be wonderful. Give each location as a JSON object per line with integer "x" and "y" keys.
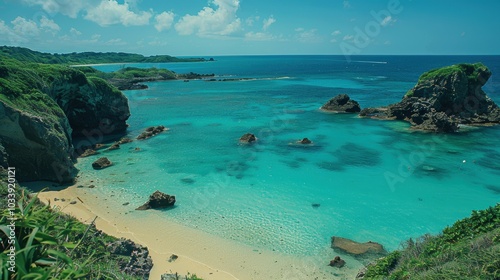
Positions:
{"x": 443, "y": 99}
{"x": 151, "y": 131}
{"x": 341, "y": 103}
{"x": 158, "y": 200}
{"x": 102, "y": 163}
{"x": 337, "y": 262}
{"x": 356, "y": 248}
{"x": 248, "y": 138}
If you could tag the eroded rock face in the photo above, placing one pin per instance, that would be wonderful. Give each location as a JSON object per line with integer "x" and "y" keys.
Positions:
{"x": 443, "y": 99}
{"x": 3, "y": 157}
{"x": 138, "y": 262}
{"x": 341, "y": 103}
{"x": 356, "y": 248}
{"x": 43, "y": 106}
{"x": 38, "y": 142}
{"x": 158, "y": 200}
{"x": 93, "y": 107}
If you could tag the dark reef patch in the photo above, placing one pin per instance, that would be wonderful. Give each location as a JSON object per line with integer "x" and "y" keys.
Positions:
{"x": 356, "y": 155}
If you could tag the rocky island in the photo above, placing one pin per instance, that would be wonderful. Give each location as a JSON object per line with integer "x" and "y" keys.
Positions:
{"x": 443, "y": 99}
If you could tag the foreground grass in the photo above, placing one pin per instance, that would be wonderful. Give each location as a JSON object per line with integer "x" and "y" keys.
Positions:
{"x": 470, "y": 249}
{"x": 52, "y": 245}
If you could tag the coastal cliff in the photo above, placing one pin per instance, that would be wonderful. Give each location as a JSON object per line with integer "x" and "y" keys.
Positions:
{"x": 443, "y": 99}
{"x": 43, "y": 106}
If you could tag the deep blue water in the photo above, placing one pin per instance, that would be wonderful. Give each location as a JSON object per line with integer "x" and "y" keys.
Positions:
{"x": 374, "y": 180}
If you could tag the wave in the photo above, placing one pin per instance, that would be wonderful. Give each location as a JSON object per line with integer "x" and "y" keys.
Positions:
{"x": 369, "y": 61}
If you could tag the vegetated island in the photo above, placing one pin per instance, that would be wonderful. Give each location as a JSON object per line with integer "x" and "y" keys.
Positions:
{"x": 27, "y": 55}
{"x": 43, "y": 107}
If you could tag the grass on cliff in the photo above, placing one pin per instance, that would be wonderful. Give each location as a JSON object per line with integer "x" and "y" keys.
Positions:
{"x": 52, "y": 245}
{"x": 129, "y": 73}
{"x": 470, "y": 70}
{"x": 469, "y": 249}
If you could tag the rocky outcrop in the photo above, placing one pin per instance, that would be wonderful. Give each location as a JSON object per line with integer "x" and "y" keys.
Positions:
{"x": 36, "y": 137}
{"x": 337, "y": 262}
{"x": 356, "y": 248}
{"x": 136, "y": 262}
{"x": 88, "y": 153}
{"x": 101, "y": 163}
{"x": 304, "y": 141}
{"x": 158, "y": 200}
{"x": 443, "y": 99}
{"x": 151, "y": 131}
{"x": 341, "y": 103}
{"x": 94, "y": 108}
{"x": 3, "y": 157}
{"x": 248, "y": 138}
{"x": 43, "y": 106}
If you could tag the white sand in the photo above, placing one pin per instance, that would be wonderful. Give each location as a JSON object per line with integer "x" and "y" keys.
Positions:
{"x": 207, "y": 256}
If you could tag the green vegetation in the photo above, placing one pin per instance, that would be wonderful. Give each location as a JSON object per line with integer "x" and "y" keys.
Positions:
{"x": 469, "y": 249}
{"x": 470, "y": 70}
{"x": 52, "y": 245}
{"x": 130, "y": 73}
{"x": 21, "y": 86}
{"x": 27, "y": 55}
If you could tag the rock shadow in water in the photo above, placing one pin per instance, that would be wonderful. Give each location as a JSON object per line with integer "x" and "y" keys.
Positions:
{"x": 490, "y": 160}
{"x": 494, "y": 189}
{"x": 188, "y": 181}
{"x": 426, "y": 170}
{"x": 352, "y": 154}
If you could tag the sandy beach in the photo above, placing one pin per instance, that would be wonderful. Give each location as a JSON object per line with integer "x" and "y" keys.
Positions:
{"x": 205, "y": 255}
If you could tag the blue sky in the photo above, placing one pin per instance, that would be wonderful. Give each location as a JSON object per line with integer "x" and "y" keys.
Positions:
{"x": 249, "y": 27}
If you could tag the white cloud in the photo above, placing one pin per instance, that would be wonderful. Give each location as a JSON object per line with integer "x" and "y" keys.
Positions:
{"x": 333, "y": 41}
{"x": 49, "y": 25}
{"x": 307, "y": 36}
{"x": 259, "y": 36}
{"x": 96, "y": 37}
{"x": 164, "y": 21}
{"x": 70, "y": 8}
{"x": 268, "y": 22}
{"x": 208, "y": 22}
{"x": 336, "y": 33}
{"x": 250, "y": 21}
{"x": 387, "y": 20}
{"x": 75, "y": 32}
{"x": 115, "y": 42}
{"x": 348, "y": 38}
{"x": 347, "y": 4}
{"x": 8, "y": 35}
{"x": 24, "y": 27}
{"x": 109, "y": 12}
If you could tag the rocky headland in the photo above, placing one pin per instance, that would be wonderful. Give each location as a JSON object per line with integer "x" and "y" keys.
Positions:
{"x": 42, "y": 107}
{"x": 444, "y": 99}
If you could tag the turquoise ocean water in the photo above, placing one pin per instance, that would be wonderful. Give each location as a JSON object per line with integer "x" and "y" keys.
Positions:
{"x": 374, "y": 180}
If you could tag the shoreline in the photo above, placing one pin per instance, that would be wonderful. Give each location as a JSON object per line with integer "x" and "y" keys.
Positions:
{"x": 207, "y": 256}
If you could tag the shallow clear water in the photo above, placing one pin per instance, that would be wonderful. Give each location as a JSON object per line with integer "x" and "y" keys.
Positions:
{"x": 374, "y": 180}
